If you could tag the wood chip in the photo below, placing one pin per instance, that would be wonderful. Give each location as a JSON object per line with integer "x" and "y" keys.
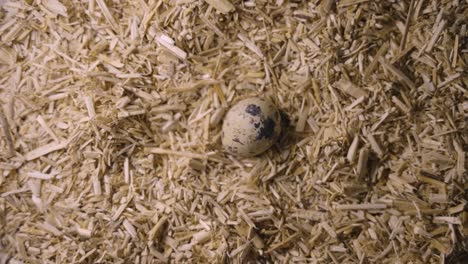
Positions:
{"x": 223, "y": 6}
{"x": 362, "y": 163}
{"x": 353, "y": 149}
{"x": 177, "y": 153}
{"x": 251, "y": 45}
{"x": 44, "y": 150}
{"x": 397, "y": 73}
{"x": 6, "y": 131}
{"x": 107, "y": 14}
{"x": 349, "y": 88}
{"x": 168, "y": 43}
{"x": 361, "y": 206}
{"x": 374, "y": 145}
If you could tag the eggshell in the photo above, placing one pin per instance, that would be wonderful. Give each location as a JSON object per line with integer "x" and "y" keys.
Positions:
{"x": 251, "y": 127}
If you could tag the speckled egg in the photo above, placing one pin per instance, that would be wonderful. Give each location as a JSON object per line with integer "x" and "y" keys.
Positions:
{"x": 251, "y": 127}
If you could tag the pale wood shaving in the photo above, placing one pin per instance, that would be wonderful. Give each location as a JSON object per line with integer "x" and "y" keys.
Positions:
{"x": 107, "y": 14}
{"x": 44, "y": 150}
{"x": 8, "y": 138}
{"x": 223, "y": 6}
{"x": 168, "y": 43}
{"x": 361, "y": 206}
{"x": 55, "y": 7}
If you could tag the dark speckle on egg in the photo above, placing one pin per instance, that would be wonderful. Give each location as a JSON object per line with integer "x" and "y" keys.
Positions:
{"x": 267, "y": 130}
{"x": 257, "y": 125}
{"x": 238, "y": 141}
{"x": 252, "y": 109}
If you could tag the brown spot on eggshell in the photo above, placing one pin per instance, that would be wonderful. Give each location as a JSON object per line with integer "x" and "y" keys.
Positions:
{"x": 238, "y": 141}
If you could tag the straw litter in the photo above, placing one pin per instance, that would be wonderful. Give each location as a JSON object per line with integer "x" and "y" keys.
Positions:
{"x": 110, "y": 117}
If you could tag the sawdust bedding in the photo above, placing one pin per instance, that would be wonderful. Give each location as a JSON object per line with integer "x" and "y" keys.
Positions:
{"x": 110, "y": 116}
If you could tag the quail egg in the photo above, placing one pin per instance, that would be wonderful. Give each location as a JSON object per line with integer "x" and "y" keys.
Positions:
{"x": 251, "y": 127}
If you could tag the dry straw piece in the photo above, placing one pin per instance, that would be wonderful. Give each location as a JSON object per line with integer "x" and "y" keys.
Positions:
{"x": 110, "y": 131}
